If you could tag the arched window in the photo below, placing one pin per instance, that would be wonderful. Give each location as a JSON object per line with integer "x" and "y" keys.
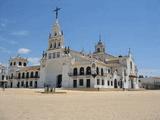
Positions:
{"x": 27, "y": 75}
{"x": 11, "y": 64}
{"x": 59, "y": 44}
{"x": 14, "y": 63}
{"x": 88, "y": 70}
{"x": 75, "y": 71}
{"x": 102, "y": 71}
{"x": 20, "y": 63}
{"x": 24, "y": 64}
{"x": 23, "y": 75}
{"x": 31, "y": 76}
{"x": 51, "y": 45}
{"x": 97, "y": 70}
{"x": 98, "y": 49}
{"x": 81, "y": 71}
{"x": 12, "y": 76}
{"x": 19, "y": 75}
{"x": 131, "y": 65}
{"x": 36, "y": 74}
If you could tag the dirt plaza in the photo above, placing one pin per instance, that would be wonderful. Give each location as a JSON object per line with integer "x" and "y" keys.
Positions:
{"x": 30, "y": 104}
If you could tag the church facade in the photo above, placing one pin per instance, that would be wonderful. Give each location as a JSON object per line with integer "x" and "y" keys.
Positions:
{"x": 63, "y": 67}
{"x": 67, "y": 68}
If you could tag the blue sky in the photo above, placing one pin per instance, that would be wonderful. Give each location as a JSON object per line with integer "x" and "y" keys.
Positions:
{"x": 123, "y": 24}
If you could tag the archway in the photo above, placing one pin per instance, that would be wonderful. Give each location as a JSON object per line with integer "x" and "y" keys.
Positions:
{"x": 59, "y": 81}
{"x": 115, "y": 83}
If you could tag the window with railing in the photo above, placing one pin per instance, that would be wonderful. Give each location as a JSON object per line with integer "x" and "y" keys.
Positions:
{"x": 36, "y": 74}
{"x": 97, "y": 70}
{"x": 81, "y": 71}
{"x": 102, "y": 73}
{"x": 88, "y": 71}
{"x": 75, "y": 71}
{"x": 23, "y": 75}
{"x": 27, "y": 75}
{"x": 19, "y": 75}
{"x": 32, "y": 75}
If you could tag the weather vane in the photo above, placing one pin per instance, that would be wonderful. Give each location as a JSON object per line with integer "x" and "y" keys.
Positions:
{"x": 56, "y": 11}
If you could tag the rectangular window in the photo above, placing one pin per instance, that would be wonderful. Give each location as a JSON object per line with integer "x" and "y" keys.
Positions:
{"x": 111, "y": 83}
{"x": 2, "y": 77}
{"x": 54, "y": 55}
{"x": 102, "y": 82}
{"x": 49, "y": 56}
{"x": 98, "y": 82}
{"x": 30, "y": 83}
{"x": 109, "y": 71}
{"x": 108, "y": 82}
{"x": 81, "y": 82}
{"x": 58, "y": 54}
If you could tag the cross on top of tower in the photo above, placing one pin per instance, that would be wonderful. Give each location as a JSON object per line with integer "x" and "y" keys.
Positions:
{"x": 56, "y": 11}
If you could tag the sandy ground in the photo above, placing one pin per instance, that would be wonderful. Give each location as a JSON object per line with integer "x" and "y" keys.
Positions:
{"x": 28, "y": 104}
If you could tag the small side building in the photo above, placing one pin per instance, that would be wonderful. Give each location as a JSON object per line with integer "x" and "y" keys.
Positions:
{"x": 22, "y": 76}
{"x": 2, "y": 76}
{"x": 150, "y": 82}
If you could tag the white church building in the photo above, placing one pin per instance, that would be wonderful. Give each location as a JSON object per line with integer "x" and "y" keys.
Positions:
{"x": 63, "y": 67}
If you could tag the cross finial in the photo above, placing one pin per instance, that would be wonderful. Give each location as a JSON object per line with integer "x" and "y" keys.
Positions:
{"x": 129, "y": 52}
{"x": 56, "y": 11}
{"x": 100, "y": 37}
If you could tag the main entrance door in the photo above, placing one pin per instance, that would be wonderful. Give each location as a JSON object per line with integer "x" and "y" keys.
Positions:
{"x": 74, "y": 83}
{"x": 115, "y": 83}
{"x": 59, "y": 81}
{"x": 88, "y": 83}
{"x": 132, "y": 83}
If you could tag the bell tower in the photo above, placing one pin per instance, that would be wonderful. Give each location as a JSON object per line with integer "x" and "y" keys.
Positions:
{"x": 100, "y": 47}
{"x": 56, "y": 40}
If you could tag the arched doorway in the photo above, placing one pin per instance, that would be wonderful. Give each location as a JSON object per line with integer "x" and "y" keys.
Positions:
{"x": 18, "y": 84}
{"x": 115, "y": 83}
{"x": 121, "y": 84}
{"x": 132, "y": 83}
{"x": 59, "y": 81}
{"x": 11, "y": 84}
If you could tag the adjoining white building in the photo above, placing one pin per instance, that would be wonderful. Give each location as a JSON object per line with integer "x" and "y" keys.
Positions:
{"x": 150, "y": 82}
{"x": 20, "y": 75}
{"x": 2, "y": 76}
{"x": 63, "y": 67}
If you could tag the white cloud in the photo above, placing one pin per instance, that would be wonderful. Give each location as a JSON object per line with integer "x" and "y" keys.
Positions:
{"x": 34, "y": 60}
{"x": 4, "y": 50}
{"x": 149, "y": 72}
{"x": 23, "y": 51}
{"x": 20, "y": 33}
